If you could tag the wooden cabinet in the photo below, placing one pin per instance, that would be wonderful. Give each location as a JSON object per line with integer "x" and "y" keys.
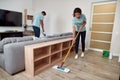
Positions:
{"x": 43, "y": 55}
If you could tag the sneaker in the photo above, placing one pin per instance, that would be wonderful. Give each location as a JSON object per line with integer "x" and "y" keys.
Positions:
{"x": 76, "y": 56}
{"x": 82, "y": 55}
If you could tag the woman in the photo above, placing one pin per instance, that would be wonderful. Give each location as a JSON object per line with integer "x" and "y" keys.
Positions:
{"x": 79, "y": 22}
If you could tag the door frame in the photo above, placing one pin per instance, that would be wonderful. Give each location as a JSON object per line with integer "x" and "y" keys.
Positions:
{"x": 91, "y": 19}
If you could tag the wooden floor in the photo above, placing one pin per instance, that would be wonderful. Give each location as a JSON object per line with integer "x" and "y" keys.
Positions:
{"x": 92, "y": 67}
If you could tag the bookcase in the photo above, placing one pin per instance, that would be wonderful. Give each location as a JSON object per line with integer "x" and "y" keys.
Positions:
{"x": 40, "y": 56}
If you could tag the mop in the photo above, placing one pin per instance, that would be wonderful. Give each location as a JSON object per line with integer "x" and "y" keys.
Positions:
{"x": 61, "y": 68}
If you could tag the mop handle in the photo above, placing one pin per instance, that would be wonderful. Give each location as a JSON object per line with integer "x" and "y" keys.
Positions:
{"x": 70, "y": 48}
{"x": 69, "y": 51}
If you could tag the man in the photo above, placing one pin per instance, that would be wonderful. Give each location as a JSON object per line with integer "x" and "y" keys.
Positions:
{"x": 37, "y": 22}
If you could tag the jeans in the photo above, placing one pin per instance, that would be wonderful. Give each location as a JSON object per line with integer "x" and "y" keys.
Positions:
{"x": 36, "y": 31}
{"x": 83, "y": 36}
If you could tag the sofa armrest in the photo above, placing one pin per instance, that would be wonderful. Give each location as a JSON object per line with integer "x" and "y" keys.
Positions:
{"x": 14, "y": 58}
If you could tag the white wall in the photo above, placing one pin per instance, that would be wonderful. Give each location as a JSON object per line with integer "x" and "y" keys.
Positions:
{"x": 15, "y": 5}
{"x": 115, "y": 43}
{"x": 59, "y": 14}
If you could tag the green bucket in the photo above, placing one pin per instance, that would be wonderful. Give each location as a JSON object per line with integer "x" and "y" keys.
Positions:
{"x": 106, "y": 53}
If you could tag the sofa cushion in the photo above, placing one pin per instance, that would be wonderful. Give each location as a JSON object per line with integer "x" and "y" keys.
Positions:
{"x": 66, "y": 34}
{"x": 53, "y": 35}
{"x": 24, "y": 39}
{"x": 13, "y": 40}
{"x": 59, "y": 35}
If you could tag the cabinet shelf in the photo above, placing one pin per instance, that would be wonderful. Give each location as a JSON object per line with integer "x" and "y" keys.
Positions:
{"x": 56, "y": 52}
{"x": 55, "y": 57}
{"x": 41, "y": 52}
{"x": 41, "y": 64}
{"x": 55, "y": 48}
{"x": 66, "y": 48}
{"x": 41, "y": 58}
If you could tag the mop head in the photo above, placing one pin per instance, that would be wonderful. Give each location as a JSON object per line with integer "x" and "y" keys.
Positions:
{"x": 66, "y": 70}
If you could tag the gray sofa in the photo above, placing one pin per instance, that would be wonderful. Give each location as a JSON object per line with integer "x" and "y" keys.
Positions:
{"x": 12, "y": 56}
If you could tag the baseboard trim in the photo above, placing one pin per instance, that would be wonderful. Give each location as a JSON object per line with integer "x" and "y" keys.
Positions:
{"x": 119, "y": 59}
{"x": 115, "y": 54}
{"x": 99, "y": 50}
